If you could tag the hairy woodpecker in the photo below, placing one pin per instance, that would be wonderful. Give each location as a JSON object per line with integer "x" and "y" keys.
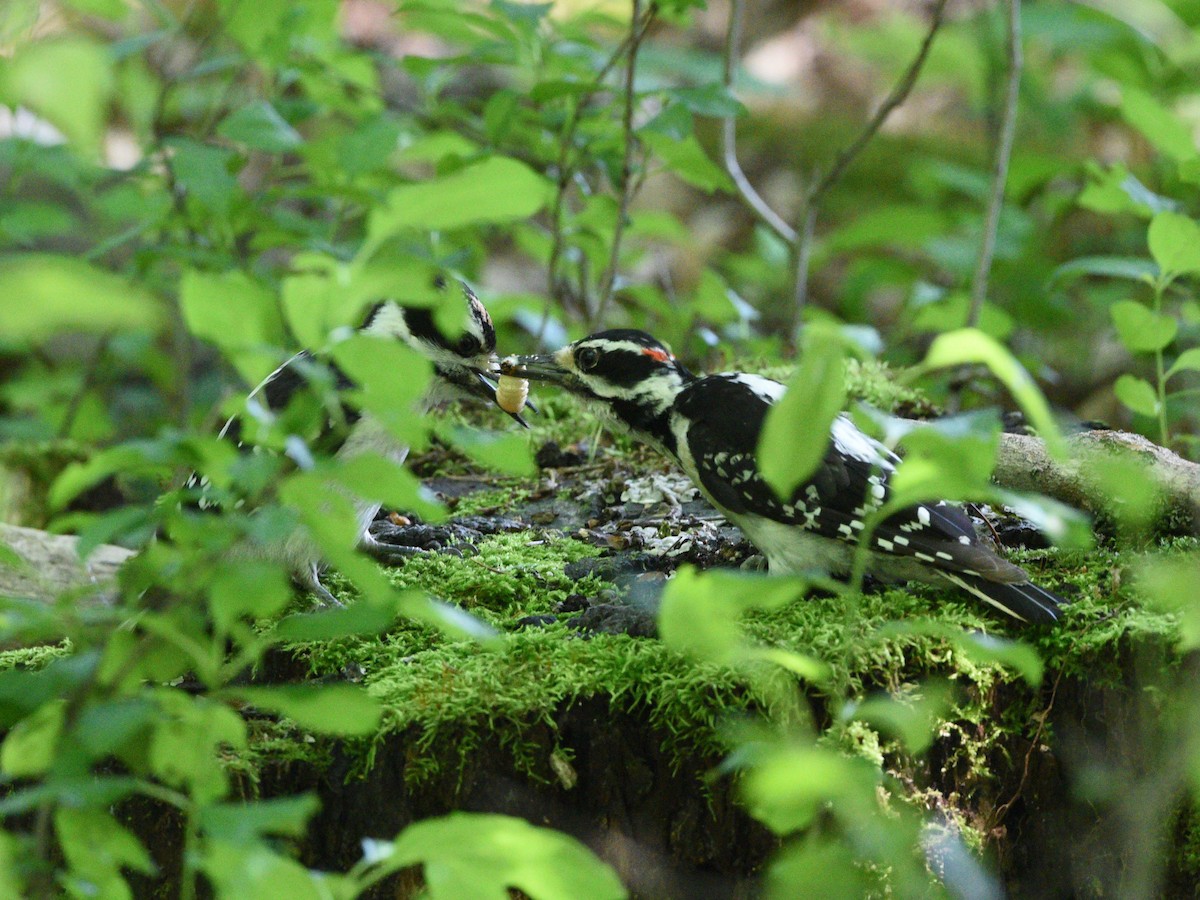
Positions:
{"x": 462, "y": 367}
{"x": 710, "y": 426}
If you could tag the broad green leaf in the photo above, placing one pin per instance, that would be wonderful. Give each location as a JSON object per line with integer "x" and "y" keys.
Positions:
{"x": 256, "y": 869}
{"x": 709, "y": 100}
{"x": 1160, "y": 126}
{"x": 687, "y": 159}
{"x": 1115, "y": 190}
{"x": 1142, "y": 330}
{"x": 97, "y": 847}
{"x": 189, "y": 737}
{"x": 507, "y": 452}
{"x": 260, "y": 126}
{"x": 978, "y": 647}
{"x": 1137, "y": 394}
{"x": 17, "y": 19}
{"x": 285, "y": 816}
{"x": 67, "y": 80}
{"x": 389, "y": 378}
{"x": 205, "y": 173}
{"x": 1188, "y": 361}
{"x": 819, "y": 866}
{"x": 1175, "y": 243}
{"x": 939, "y": 465}
{"x": 78, "y": 477}
{"x": 108, "y": 9}
{"x": 913, "y": 720}
{"x": 498, "y": 189}
{"x": 969, "y": 346}
{"x": 1064, "y": 525}
{"x": 361, "y": 618}
{"x": 376, "y": 478}
{"x": 42, "y": 295}
{"x": 484, "y": 855}
{"x": 247, "y": 587}
{"x": 795, "y": 435}
{"x": 327, "y": 708}
{"x": 31, "y": 746}
{"x": 237, "y": 314}
{"x": 788, "y": 789}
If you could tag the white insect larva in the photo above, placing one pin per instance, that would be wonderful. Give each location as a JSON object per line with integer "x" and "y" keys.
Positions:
{"x": 511, "y": 393}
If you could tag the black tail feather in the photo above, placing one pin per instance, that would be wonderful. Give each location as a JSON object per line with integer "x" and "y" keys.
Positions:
{"x": 1023, "y": 600}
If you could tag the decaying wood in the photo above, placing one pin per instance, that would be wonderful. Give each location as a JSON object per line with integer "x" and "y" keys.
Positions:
{"x": 1080, "y": 481}
{"x": 50, "y": 563}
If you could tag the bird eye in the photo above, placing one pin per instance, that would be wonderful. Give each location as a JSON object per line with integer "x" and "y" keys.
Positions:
{"x": 587, "y": 358}
{"x": 469, "y": 345}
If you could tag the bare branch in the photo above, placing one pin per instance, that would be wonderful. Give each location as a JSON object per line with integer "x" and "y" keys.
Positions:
{"x": 1004, "y": 144}
{"x": 637, "y": 30}
{"x": 816, "y": 191}
{"x": 759, "y": 206}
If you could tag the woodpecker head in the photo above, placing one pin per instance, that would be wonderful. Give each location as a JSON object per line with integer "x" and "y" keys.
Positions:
{"x": 623, "y": 372}
{"x": 463, "y": 359}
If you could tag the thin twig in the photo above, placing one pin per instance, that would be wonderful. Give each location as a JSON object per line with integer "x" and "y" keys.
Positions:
{"x": 759, "y": 206}
{"x": 566, "y": 170}
{"x": 816, "y": 191}
{"x": 629, "y": 139}
{"x": 1004, "y": 144}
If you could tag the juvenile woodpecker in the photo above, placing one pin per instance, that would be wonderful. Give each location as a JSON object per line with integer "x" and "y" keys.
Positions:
{"x": 462, "y": 367}
{"x": 710, "y": 426}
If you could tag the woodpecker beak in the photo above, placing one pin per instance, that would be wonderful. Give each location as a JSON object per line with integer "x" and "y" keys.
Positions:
{"x": 547, "y": 367}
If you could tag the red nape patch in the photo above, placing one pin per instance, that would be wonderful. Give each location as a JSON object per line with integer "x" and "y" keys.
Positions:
{"x": 659, "y": 355}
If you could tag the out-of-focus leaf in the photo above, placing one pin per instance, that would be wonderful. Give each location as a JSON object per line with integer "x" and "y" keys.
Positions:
{"x": 1115, "y": 190}
{"x": 1169, "y": 583}
{"x": 894, "y": 226}
{"x": 260, "y": 126}
{"x": 238, "y": 315}
{"x": 484, "y": 855}
{"x": 1130, "y": 267}
{"x": 1138, "y": 394}
{"x": 31, "y": 746}
{"x": 687, "y": 159}
{"x": 1188, "y": 361}
{"x": 67, "y": 80}
{"x": 1142, "y": 330}
{"x": 970, "y": 346}
{"x": 796, "y": 433}
{"x": 285, "y": 816}
{"x": 507, "y": 452}
{"x": 1175, "y": 243}
{"x": 1161, "y": 127}
{"x": 205, "y": 173}
{"x": 43, "y": 295}
{"x": 913, "y": 720}
{"x": 327, "y": 708}
{"x": 498, "y": 189}
{"x": 710, "y": 100}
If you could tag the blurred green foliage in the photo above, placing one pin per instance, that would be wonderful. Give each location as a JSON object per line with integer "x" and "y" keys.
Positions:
{"x": 191, "y": 191}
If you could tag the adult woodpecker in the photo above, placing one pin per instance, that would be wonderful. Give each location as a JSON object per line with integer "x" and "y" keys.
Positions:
{"x": 710, "y": 426}
{"x": 463, "y": 362}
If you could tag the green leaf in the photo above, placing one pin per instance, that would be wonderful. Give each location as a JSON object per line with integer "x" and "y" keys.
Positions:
{"x": 284, "y": 816}
{"x": 44, "y": 295}
{"x": 1175, "y": 243}
{"x": 373, "y": 477}
{"x": 344, "y": 709}
{"x": 1130, "y": 267}
{"x": 260, "y": 126}
{"x": 1160, "y": 126}
{"x": 390, "y": 377}
{"x": 793, "y": 784}
{"x": 1188, "y": 360}
{"x": 980, "y": 648}
{"x": 795, "y": 435}
{"x": 190, "y": 736}
{"x": 969, "y": 346}
{"x": 484, "y": 855}
{"x": 237, "y": 314}
{"x": 498, "y": 189}
{"x": 364, "y": 617}
{"x": 709, "y": 100}
{"x": 31, "y": 747}
{"x": 1137, "y": 394}
{"x": 1115, "y": 190}
{"x": 687, "y": 159}
{"x": 913, "y": 720}
{"x": 205, "y": 173}
{"x": 1142, "y": 330}
{"x": 507, "y": 452}
{"x": 247, "y": 587}
{"x": 939, "y": 464}
{"x": 97, "y": 848}
{"x": 899, "y": 225}
{"x": 67, "y": 80}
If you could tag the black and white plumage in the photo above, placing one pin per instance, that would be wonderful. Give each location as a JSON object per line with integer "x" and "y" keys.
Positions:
{"x": 710, "y": 425}
{"x": 463, "y": 363}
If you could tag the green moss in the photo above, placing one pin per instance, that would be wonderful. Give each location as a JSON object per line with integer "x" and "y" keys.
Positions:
{"x": 34, "y": 657}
